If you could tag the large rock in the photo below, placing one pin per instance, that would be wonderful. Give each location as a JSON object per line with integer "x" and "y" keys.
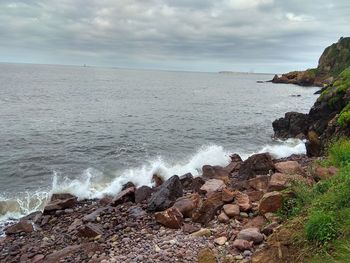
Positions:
{"x": 271, "y": 202}
{"x": 293, "y": 124}
{"x": 22, "y": 226}
{"x": 242, "y": 244}
{"x": 124, "y": 196}
{"x": 166, "y": 195}
{"x": 187, "y": 204}
{"x": 197, "y": 184}
{"x": 208, "y": 209}
{"x": 186, "y": 180}
{"x": 227, "y": 195}
{"x": 143, "y": 193}
{"x": 243, "y": 201}
{"x": 215, "y": 172}
{"x": 259, "y": 183}
{"x": 235, "y": 164}
{"x": 251, "y": 234}
{"x": 171, "y": 218}
{"x": 257, "y": 164}
{"x": 212, "y": 185}
{"x": 231, "y": 210}
{"x": 289, "y": 167}
{"x": 60, "y": 204}
{"x": 279, "y": 182}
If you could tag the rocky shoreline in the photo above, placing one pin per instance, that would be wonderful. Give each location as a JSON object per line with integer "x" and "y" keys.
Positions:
{"x": 225, "y": 215}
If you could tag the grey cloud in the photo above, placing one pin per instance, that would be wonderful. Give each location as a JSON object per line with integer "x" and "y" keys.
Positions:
{"x": 263, "y": 35}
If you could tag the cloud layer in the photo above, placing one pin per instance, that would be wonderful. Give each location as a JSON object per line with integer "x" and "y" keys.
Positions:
{"x": 243, "y": 35}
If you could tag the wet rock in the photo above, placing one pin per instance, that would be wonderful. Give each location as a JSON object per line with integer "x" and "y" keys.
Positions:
{"x": 212, "y": 185}
{"x": 208, "y": 209}
{"x": 257, "y": 164}
{"x": 171, "y": 218}
{"x": 259, "y": 183}
{"x": 242, "y": 244}
{"x": 206, "y": 256}
{"x": 142, "y": 193}
{"x": 243, "y": 201}
{"x": 157, "y": 180}
{"x": 186, "y": 180}
{"x": 166, "y": 195}
{"x": 235, "y": 164}
{"x": 61, "y": 196}
{"x": 60, "y": 204}
{"x": 231, "y": 210}
{"x": 124, "y": 196}
{"x": 22, "y": 226}
{"x": 271, "y": 202}
{"x": 90, "y": 230}
{"x": 227, "y": 195}
{"x": 187, "y": 204}
{"x": 128, "y": 185}
{"x": 289, "y": 167}
{"x": 251, "y": 234}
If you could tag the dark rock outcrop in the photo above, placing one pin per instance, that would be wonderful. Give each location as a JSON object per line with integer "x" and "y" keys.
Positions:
{"x": 257, "y": 164}
{"x": 292, "y": 125}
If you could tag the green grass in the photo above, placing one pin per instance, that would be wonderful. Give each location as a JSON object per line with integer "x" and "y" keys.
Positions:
{"x": 339, "y": 153}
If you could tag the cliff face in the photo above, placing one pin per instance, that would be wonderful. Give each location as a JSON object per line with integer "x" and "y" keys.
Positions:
{"x": 334, "y": 60}
{"x": 329, "y": 118}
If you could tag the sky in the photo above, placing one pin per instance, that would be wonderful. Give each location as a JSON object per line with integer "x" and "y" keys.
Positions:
{"x": 192, "y": 35}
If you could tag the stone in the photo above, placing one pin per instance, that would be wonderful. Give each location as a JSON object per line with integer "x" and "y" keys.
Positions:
{"x": 212, "y": 185}
{"x": 70, "y": 250}
{"x": 204, "y": 232}
{"x": 257, "y": 164}
{"x": 90, "y": 230}
{"x": 124, "y": 196}
{"x": 291, "y": 125}
{"x": 189, "y": 229}
{"x": 235, "y": 164}
{"x": 271, "y": 202}
{"x": 251, "y": 234}
{"x": 243, "y": 201}
{"x": 197, "y": 184}
{"x": 208, "y": 209}
{"x": 136, "y": 212}
{"x": 257, "y": 222}
{"x": 289, "y": 167}
{"x": 142, "y": 193}
{"x": 166, "y": 195}
{"x": 242, "y": 244}
{"x": 215, "y": 172}
{"x": 171, "y": 218}
{"x": 223, "y": 218}
{"x": 33, "y": 217}
{"x": 231, "y": 210}
{"x": 254, "y": 196}
{"x": 187, "y": 204}
{"x": 186, "y": 180}
{"x": 220, "y": 241}
{"x": 61, "y": 196}
{"x": 22, "y": 226}
{"x": 268, "y": 230}
{"x": 60, "y": 204}
{"x": 206, "y": 255}
{"x": 93, "y": 215}
{"x": 279, "y": 182}
{"x": 259, "y": 183}
{"x": 227, "y": 195}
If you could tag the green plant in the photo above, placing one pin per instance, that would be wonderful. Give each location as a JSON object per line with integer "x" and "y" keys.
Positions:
{"x": 339, "y": 152}
{"x": 321, "y": 227}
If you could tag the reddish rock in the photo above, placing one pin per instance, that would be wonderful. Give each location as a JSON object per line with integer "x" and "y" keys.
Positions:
{"x": 256, "y": 222}
{"x": 21, "y": 226}
{"x": 259, "y": 183}
{"x": 227, "y": 195}
{"x": 231, "y": 210}
{"x": 271, "y": 202}
{"x": 187, "y": 204}
{"x": 70, "y": 250}
{"x": 243, "y": 201}
{"x": 60, "y": 204}
{"x": 223, "y": 218}
{"x": 143, "y": 193}
{"x": 208, "y": 209}
{"x": 89, "y": 230}
{"x": 235, "y": 164}
{"x": 251, "y": 234}
{"x": 279, "y": 182}
{"x": 189, "y": 229}
{"x": 166, "y": 195}
{"x": 212, "y": 185}
{"x": 171, "y": 218}
{"x": 220, "y": 240}
{"x": 197, "y": 184}
{"x": 255, "y": 196}
{"x": 324, "y": 173}
{"x": 242, "y": 244}
{"x": 124, "y": 196}
{"x": 257, "y": 164}
{"x": 289, "y": 167}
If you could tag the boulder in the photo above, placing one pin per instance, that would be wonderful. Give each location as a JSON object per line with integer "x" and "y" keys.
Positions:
{"x": 127, "y": 195}
{"x": 143, "y": 193}
{"x": 259, "y": 183}
{"x": 257, "y": 164}
{"x": 186, "y": 180}
{"x": 212, "y": 185}
{"x": 227, "y": 195}
{"x": 90, "y": 230}
{"x": 215, "y": 172}
{"x": 171, "y": 218}
{"x": 251, "y": 234}
{"x": 235, "y": 163}
{"x": 254, "y": 196}
{"x": 289, "y": 167}
{"x": 197, "y": 184}
{"x": 243, "y": 201}
{"x": 271, "y": 202}
{"x": 60, "y": 204}
{"x": 291, "y": 125}
{"x": 187, "y": 204}
{"x": 166, "y": 195}
{"x": 242, "y": 244}
{"x": 231, "y": 210}
{"x": 22, "y": 226}
{"x": 279, "y": 182}
{"x": 223, "y": 218}
{"x": 208, "y": 209}
{"x": 257, "y": 222}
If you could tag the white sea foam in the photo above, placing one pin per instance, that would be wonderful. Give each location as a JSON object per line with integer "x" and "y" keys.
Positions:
{"x": 93, "y": 184}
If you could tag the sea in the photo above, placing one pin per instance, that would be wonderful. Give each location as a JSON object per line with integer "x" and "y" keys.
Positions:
{"x": 89, "y": 130}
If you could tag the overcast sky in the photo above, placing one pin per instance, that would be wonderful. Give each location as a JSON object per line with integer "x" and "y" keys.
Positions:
{"x": 200, "y": 35}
